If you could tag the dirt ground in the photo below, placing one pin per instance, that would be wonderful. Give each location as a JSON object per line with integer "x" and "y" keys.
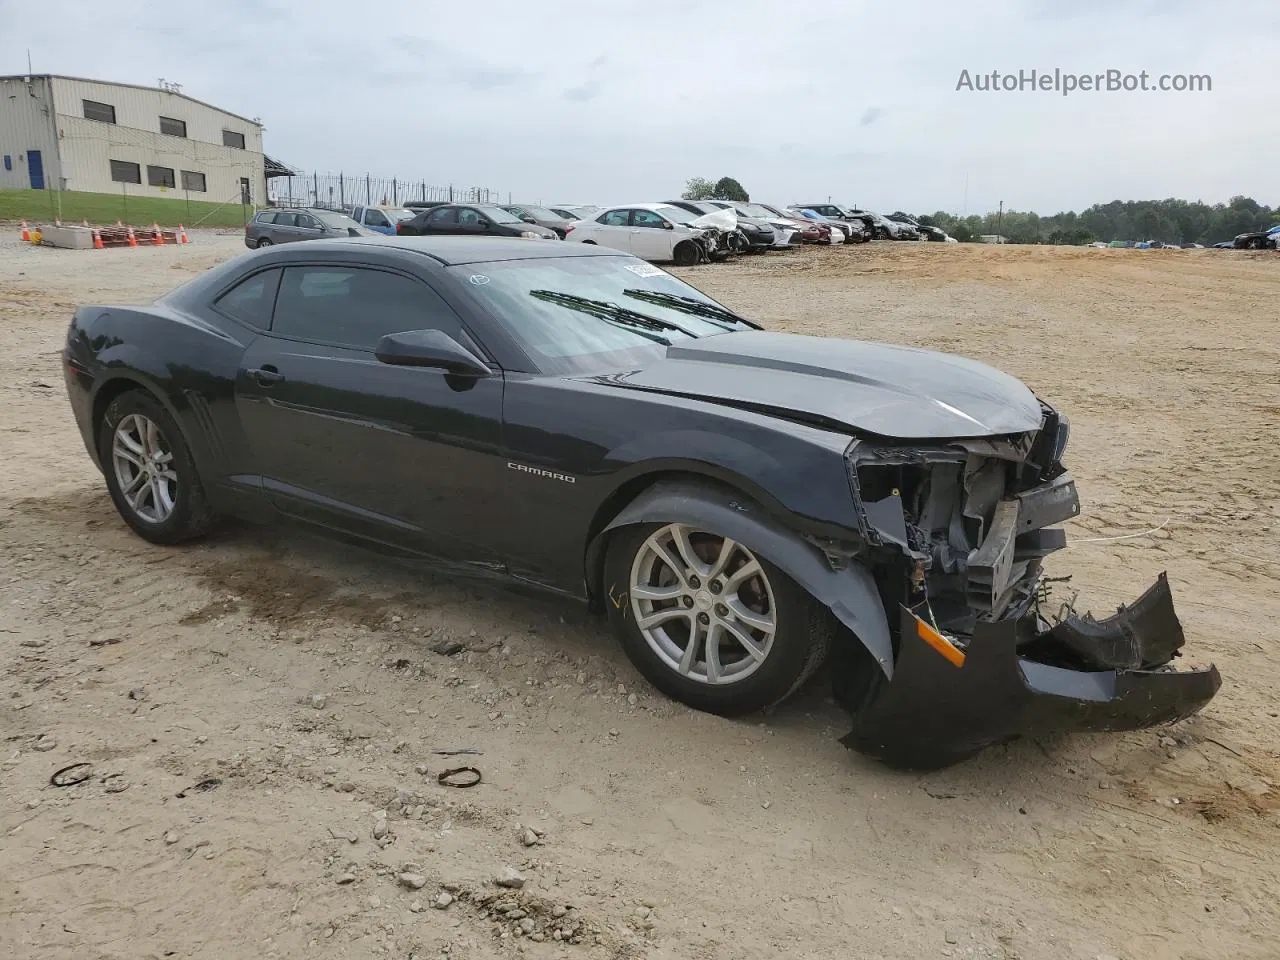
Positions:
{"x": 299, "y": 675}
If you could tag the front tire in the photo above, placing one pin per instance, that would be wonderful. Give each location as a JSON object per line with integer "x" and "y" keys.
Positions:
{"x": 150, "y": 474}
{"x": 708, "y": 622}
{"x": 685, "y": 254}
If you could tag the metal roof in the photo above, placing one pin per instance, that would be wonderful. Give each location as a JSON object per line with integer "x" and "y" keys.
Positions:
{"x": 136, "y": 86}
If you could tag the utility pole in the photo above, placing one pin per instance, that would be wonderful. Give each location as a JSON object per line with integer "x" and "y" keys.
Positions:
{"x": 1000, "y": 224}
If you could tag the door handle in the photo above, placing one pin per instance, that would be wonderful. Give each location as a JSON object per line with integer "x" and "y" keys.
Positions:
{"x": 267, "y": 375}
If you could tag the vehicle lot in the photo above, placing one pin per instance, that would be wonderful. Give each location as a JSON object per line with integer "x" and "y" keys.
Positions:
{"x": 302, "y": 676}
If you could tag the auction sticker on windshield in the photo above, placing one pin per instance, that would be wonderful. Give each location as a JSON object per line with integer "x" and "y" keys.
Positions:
{"x": 645, "y": 270}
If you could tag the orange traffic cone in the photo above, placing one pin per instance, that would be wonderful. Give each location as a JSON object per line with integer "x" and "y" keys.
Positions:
{"x": 158, "y": 240}
{"x": 133, "y": 241}
{"x": 97, "y": 239}
{"x": 182, "y": 234}
{"x": 26, "y": 233}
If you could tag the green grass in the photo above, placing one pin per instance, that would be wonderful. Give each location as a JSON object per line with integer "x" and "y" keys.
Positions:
{"x": 40, "y": 206}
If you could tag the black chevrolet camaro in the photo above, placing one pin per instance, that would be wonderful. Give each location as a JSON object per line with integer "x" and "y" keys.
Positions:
{"x": 743, "y": 505}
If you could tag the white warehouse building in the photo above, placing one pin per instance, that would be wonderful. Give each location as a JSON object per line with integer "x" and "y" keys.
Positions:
{"x": 88, "y": 135}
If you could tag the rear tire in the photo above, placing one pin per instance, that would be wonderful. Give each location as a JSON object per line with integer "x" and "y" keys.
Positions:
{"x": 740, "y": 681}
{"x": 150, "y": 473}
{"x": 263, "y": 242}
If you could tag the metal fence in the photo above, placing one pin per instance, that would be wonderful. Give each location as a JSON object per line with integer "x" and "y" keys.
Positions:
{"x": 339, "y": 191}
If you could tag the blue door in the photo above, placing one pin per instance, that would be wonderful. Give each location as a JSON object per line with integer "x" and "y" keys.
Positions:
{"x": 35, "y": 169}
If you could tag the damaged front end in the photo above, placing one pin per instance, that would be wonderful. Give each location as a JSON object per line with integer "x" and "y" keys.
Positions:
{"x": 955, "y": 536}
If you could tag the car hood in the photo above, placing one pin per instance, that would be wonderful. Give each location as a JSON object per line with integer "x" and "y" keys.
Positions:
{"x": 890, "y": 391}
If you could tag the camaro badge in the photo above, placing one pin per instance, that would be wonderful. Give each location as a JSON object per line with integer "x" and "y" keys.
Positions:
{"x": 539, "y": 472}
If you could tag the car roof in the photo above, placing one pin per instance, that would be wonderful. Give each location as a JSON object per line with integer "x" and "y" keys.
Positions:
{"x": 638, "y": 206}
{"x": 452, "y": 251}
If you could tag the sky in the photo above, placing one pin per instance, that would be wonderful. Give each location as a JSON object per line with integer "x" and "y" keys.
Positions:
{"x": 616, "y": 101}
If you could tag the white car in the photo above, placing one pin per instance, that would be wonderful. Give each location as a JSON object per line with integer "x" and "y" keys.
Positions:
{"x": 650, "y": 231}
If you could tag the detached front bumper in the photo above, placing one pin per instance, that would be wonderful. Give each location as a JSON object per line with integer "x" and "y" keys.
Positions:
{"x": 1024, "y": 675}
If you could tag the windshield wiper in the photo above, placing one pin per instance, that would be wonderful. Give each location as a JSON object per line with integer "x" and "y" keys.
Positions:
{"x": 697, "y": 308}
{"x": 642, "y": 323}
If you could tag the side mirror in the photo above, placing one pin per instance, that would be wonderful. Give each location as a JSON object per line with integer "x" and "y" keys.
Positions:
{"x": 430, "y": 348}
{"x": 667, "y": 225}
{"x": 528, "y": 219}
{"x": 354, "y": 232}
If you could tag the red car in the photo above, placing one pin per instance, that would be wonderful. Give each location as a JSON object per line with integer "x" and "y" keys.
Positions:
{"x": 810, "y": 231}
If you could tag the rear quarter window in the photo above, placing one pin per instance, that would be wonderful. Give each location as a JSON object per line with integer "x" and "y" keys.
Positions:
{"x": 250, "y": 301}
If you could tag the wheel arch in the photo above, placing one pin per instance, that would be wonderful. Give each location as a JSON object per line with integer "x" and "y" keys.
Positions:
{"x": 119, "y": 381}
{"x": 674, "y": 496}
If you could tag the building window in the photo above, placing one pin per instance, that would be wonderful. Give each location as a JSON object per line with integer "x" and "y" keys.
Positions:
{"x": 122, "y": 171}
{"x": 232, "y": 139}
{"x": 172, "y": 127}
{"x": 160, "y": 176}
{"x": 102, "y": 112}
{"x": 193, "y": 181}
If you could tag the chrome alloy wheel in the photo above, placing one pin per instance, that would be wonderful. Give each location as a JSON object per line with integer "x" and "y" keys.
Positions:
{"x": 703, "y": 604}
{"x": 143, "y": 464}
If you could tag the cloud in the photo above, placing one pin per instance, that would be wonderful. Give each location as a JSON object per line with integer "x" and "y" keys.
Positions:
{"x": 677, "y": 88}
{"x": 483, "y": 77}
{"x": 583, "y": 92}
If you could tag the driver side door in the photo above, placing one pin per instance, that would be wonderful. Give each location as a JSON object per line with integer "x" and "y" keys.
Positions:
{"x": 473, "y": 223}
{"x": 409, "y": 456}
{"x": 376, "y": 220}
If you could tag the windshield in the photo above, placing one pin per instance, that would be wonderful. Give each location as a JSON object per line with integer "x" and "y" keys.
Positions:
{"x": 339, "y": 221}
{"x": 398, "y": 214}
{"x": 498, "y": 215}
{"x": 542, "y": 213}
{"x": 675, "y": 214}
{"x": 580, "y": 315}
{"x": 756, "y": 210}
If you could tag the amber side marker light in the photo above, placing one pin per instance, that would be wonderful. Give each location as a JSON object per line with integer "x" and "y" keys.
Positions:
{"x": 940, "y": 643}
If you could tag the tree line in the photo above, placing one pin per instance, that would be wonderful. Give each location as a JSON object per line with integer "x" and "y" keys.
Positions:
{"x": 1170, "y": 221}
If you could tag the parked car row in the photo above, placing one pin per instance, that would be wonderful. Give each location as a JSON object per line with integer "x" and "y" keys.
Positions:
{"x": 684, "y": 232}
{"x": 1257, "y": 240}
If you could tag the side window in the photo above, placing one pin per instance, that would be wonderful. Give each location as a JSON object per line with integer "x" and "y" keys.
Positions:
{"x": 356, "y": 306}
{"x": 266, "y": 217}
{"x": 468, "y": 217}
{"x": 307, "y": 222}
{"x": 647, "y": 218}
{"x": 250, "y": 300}
{"x": 443, "y": 215}
{"x": 616, "y": 218}
{"x": 286, "y": 219}
{"x": 375, "y": 218}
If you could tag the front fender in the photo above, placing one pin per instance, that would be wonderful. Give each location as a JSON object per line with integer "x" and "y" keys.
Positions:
{"x": 801, "y": 473}
{"x": 850, "y": 593}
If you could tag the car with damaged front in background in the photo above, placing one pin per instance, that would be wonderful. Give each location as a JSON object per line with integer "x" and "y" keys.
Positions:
{"x": 744, "y": 506}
